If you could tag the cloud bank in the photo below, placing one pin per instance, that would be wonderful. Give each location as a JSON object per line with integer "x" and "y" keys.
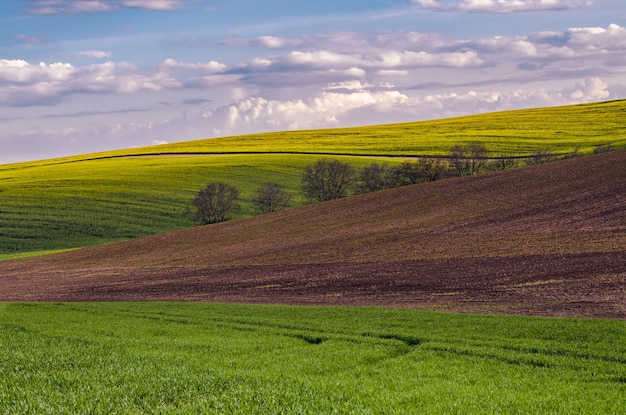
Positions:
{"x": 85, "y": 98}
{"x": 400, "y": 58}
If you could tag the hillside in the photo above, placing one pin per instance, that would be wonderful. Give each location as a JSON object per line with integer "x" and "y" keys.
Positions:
{"x": 92, "y": 199}
{"x": 562, "y": 129}
{"x": 548, "y": 240}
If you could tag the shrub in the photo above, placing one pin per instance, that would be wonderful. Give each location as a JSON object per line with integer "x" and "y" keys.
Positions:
{"x": 215, "y": 203}
{"x": 271, "y": 197}
{"x": 327, "y": 180}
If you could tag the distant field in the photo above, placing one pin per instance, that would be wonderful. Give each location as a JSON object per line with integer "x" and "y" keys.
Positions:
{"x": 147, "y": 358}
{"x": 92, "y": 199}
{"x": 517, "y": 133}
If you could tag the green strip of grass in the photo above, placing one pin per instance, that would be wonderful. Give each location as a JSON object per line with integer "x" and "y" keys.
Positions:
{"x": 7, "y": 257}
{"x": 238, "y": 359}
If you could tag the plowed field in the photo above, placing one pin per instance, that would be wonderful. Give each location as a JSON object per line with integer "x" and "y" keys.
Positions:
{"x": 548, "y": 240}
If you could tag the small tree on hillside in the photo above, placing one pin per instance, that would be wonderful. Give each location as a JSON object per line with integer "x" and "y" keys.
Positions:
{"x": 423, "y": 170}
{"x": 376, "y": 177}
{"x": 540, "y": 157}
{"x": 271, "y": 197}
{"x": 602, "y": 148}
{"x": 468, "y": 159}
{"x": 327, "y": 180}
{"x": 504, "y": 163}
{"x": 407, "y": 173}
{"x": 215, "y": 203}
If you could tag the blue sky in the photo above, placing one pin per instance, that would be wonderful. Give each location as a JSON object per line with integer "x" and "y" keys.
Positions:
{"x": 88, "y": 75}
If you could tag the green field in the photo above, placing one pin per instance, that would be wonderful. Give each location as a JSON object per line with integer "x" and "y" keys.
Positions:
{"x": 92, "y": 199}
{"x": 238, "y": 359}
{"x": 69, "y": 205}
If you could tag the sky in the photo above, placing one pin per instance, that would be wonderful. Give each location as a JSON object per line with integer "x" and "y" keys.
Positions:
{"x": 81, "y": 76}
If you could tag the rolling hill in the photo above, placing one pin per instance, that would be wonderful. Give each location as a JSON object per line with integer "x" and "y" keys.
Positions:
{"x": 547, "y": 240}
{"x": 91, "y": 199}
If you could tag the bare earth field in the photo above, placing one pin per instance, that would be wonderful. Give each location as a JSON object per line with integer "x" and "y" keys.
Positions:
{"x": 548, "y": 240}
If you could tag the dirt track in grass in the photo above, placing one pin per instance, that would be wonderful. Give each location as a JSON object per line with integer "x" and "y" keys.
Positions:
{"x": 548, "y": 240}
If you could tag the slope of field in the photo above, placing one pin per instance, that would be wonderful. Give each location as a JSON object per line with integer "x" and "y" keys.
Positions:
{"x": 93, "y": 199}
{"x": 562, "y": 130}
{"x": 547, "y": 240}
{"x": 71, "y": 205}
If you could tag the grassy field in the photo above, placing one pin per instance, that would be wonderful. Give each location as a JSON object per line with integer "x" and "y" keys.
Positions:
{"x": 70, "y": 205}
{"x": 561, "y": 130}
{"x": 92, "y": 199}
{"x": 213, "y": 358}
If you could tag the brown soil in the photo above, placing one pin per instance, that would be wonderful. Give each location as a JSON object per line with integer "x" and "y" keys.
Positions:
{"x": 548, "y": 240}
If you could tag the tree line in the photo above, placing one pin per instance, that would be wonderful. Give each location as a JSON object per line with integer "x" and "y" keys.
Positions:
{"x": 329, "y": 179}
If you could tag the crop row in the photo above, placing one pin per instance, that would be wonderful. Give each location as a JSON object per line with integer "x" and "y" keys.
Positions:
{"x": 213, "y": 358}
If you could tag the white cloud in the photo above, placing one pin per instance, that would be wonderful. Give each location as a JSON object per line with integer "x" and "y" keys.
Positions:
{"x": 273, "y": 42}
{"x": 153, "y": 4}
{"x": 70, "y": 7}
{"x": 503, "y": 6}
{"x": 96, "y": 54}
{"x": 410, "y": 59}
{"x": 20, "y": 71}
{"x": 23, "y": 83}
{"x": 592, "y": 89}
{"x": 611, "y": 38}
{"x": 345, "y": 103}
{"x": 31, "y": 40}
{"x": 322, "y": 110}
{"x": 49, "y": 7}
{"x": 208, "y": 67}
{"x": 573, "y": 44}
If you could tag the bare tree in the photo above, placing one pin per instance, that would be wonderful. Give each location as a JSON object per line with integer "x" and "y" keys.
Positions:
{"x": 540, "y": 157}
{"x": 468, "y": 159}
{"x": 432, "y": 170}
{"x": 327, "y": 180}
{"x": 215, "y": 203}
{"x": 602, "y": 148}
{"x": 407, "y": 173}
{"x": 376, "y": 177}
{"x": 271, "y": 197}
{"x": 423, "y": 170}
{"x": 504, "y": 163}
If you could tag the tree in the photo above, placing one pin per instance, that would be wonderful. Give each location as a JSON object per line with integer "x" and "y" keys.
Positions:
{"x": 327, "y": 180}
{"x": 376, "y": 177}
{"x": 271, "y": 197}
{"x": 540, "y": 157}
{"x": 423, "y": 170}
{"x": 468, "y": 159}
{"x": 407, "y": 173}
{"x": 602, "y": 148}
{"x": 504, "y": 162}
{"x": 215, "y": 203}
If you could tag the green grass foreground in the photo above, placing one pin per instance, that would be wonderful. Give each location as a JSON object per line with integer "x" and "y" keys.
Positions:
{"x": 104, "y": 358}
